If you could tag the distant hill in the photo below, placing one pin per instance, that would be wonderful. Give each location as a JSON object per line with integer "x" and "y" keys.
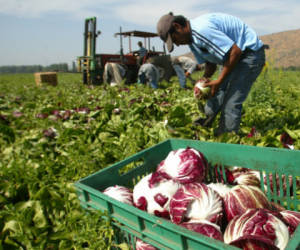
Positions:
{"x": 284, "y": 48}
{"x": 284, "y": 51}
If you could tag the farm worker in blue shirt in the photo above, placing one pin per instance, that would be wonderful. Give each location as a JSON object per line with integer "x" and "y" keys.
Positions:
{"x": 219, "y": 39}
{"x": 142, "y": 53}
{"x": 184, "y": 66}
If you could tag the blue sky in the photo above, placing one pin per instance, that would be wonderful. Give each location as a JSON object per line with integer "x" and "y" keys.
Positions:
{"x": 51, "y": 31}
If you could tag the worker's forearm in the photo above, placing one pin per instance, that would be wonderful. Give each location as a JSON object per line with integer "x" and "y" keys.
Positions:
{"x": 234, "y": 56}
{"x": 209, "y": 70}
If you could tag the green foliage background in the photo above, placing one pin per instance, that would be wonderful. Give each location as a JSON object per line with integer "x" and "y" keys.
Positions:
{"x": 59, "y": 67}
{"x": 39, "y": 208}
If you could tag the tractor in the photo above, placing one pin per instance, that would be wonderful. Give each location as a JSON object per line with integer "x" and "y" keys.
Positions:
{"x": 92, "y": 65}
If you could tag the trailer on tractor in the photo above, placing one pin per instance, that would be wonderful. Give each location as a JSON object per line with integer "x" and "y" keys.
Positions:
{"x": 91, "y": 64}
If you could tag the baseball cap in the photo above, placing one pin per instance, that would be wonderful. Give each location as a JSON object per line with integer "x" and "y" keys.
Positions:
{"x": 163, "y": 27}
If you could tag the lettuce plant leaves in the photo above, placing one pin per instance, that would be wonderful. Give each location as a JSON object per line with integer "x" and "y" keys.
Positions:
{"x": 96, "y": 127}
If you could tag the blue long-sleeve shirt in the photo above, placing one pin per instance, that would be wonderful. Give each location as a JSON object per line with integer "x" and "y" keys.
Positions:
{"x": 214, "y": 34}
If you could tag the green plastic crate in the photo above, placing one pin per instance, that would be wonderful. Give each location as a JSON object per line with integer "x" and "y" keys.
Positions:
{"x": 132, "y": 222}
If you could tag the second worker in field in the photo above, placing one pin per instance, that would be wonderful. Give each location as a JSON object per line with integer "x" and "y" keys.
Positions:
{"x": 184, "y": 66}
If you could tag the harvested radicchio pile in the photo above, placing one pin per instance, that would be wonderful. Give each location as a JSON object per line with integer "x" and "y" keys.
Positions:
{"x": 234, "y": 210}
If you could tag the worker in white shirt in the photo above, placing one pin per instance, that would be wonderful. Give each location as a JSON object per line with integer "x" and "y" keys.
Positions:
{"x": 149, "y": 74}
{"x": 184, "y": 66}
{"x": 114, "y": 73}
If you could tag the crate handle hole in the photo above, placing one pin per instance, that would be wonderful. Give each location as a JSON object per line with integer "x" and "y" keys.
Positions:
{"x": 132, "y": 165}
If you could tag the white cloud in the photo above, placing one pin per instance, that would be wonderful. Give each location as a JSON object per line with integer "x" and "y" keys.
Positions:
{"x": 268, "y": 16}
{"x": 38, "y": 8}
{"x": 148, "y": 12}
{"x": 144, "y": 12}
{"x": 271, "y": 16}
{"x": 264, "y": 16}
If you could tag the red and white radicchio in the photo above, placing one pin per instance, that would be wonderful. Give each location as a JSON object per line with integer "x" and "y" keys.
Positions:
{"x": 220, "y": 188}
{"x": 241, "y": 198}
{"x": 292, "y": 218}
{"x": 182, "y": 165}
{"x": 194, "y": 202}
{"x": 257, "y": 229}
{"x": 287, "y": 183}
{"x": 155, "y": 199}
{"x": 120, "y": 193}
{"x": 204, "y": 227}
{"x": 238, "y": 176}
{"x": 141, "y": 245}
{"x": 246, "y": 176}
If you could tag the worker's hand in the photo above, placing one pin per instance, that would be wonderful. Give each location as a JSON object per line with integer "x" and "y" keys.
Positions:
{"x": 204, "y": 79}
{"x": 214, "y": 85}
{"x": 187, "y": 74}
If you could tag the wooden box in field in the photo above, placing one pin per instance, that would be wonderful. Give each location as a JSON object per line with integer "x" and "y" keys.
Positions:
{"x": 45, "y": 78}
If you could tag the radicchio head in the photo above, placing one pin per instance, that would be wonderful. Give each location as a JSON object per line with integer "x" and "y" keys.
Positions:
{"x": 257, "y": 228}
{"x": 206, "y": 228}
{"x": 241, "y": 198}
{"x": 182, "y": 165}
{"x": 154, "y": 199}
{"x": 195, "y": 201}
{"x": 120, "y": 193}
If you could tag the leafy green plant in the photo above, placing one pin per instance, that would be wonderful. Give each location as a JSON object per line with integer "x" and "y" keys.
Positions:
{"x": 51, "y": 137}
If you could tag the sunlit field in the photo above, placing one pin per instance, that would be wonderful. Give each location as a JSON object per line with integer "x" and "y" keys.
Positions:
{"x": 50, "y": 137}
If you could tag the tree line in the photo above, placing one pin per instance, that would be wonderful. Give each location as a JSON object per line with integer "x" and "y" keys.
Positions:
{"x": 60, "y": 67}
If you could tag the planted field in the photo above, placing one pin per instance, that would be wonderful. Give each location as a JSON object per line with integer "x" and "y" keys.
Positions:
{"x": 50, "y": 137}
